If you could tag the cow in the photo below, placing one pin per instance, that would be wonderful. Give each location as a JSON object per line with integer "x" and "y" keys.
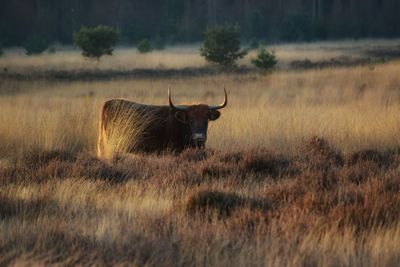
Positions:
{"x": 127, "y": 126}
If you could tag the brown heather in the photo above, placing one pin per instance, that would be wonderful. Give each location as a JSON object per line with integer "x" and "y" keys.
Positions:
{"x": 302, "y": 169}
{"x": 72, "y": 208}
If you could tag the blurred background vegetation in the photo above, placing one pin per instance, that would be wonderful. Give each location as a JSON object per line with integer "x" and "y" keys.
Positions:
{"x": 184, "y": 21}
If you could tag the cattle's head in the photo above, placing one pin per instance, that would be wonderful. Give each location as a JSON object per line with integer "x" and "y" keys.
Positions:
{"x": 196, "y": 118}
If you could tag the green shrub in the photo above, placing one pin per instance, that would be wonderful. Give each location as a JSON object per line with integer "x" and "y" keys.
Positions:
{"x": 96, "y": 42}
{"x": 265, "y": 59}
{"x": 1, "y": 50}
{"x": 222, "y": 45}
{"x": 35, "y": 45}
{"x": 144, "y": 46}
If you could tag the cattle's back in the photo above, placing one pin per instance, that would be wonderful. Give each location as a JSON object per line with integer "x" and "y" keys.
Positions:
{"x": 130, "y": 126}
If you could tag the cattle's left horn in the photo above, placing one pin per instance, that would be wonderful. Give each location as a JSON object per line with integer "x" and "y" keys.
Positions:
{"x": 170, "y": 101}
{"x": 223, "y": 104}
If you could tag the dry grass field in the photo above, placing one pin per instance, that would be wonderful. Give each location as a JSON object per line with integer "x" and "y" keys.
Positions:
{"x": 68, "y": 59}
{"x": 302, "y": 168}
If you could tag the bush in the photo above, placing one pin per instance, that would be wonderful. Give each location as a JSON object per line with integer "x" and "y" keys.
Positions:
{"x": 222, "y": 45}
{"x": 1, "y": 50}
{"x": 265, "y": 59}
{"x": 144, "y": 46}
{"x": 35, "y": 45}
{"x": 96, "y": 42}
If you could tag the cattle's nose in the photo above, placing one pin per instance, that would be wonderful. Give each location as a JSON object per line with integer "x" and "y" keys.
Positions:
{"x": 199, "y": 139}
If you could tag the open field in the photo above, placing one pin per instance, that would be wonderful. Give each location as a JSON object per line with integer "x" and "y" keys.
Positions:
{"x": 354, "y": 108}
{"x": 302, "y": 169}
{"x": 125, "y": 59}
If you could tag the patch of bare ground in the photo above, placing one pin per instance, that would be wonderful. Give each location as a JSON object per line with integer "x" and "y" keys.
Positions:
{"x": 202, "y": 207}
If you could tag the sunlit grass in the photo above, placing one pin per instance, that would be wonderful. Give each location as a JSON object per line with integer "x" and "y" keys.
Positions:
{"x": 301, "y": 203}
{"x": 355, "y": 108}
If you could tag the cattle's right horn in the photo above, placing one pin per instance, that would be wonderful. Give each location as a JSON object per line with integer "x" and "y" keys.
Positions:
{"x": 170, "y": 101}
{"x": 223, "y": 104}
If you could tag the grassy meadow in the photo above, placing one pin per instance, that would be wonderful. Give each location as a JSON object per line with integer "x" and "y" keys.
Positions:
{"x": 302, "y": 168}
{"x": 186, "y": 56}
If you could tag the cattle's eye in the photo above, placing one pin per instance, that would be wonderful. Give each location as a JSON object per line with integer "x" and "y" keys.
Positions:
{"x": 181, "y": 116}
{"x": 214, "y": 114}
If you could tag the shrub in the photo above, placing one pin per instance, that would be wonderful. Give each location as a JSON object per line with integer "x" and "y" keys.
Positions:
{"x": 144, "y": 46}
{"x": 265, "y": 162}
{"x": 318, "y": 153}
{"x": 222, "y": 45}
{"x": 265, "y": 59}
{"x": 96, "y": 42}
{"x": 1, "y": 51}
{"x": 35, "y": 45}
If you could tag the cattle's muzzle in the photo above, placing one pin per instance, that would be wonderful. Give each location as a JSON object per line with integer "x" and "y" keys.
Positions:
{"x": 199, "y": 140}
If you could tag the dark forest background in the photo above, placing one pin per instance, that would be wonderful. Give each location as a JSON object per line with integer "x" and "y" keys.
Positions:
{"x": 185, "y": 20}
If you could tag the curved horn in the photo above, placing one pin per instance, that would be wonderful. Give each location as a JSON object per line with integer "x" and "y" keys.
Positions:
{"x": 223, "y": 104}
{"x": 171, "y": 104}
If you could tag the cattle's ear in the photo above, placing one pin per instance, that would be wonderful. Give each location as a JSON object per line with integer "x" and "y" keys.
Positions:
{"x": 180, "y": 115}
{"x": 214, "y": 114}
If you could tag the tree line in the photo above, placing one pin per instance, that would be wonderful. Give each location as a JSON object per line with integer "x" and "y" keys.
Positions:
{"x": 186, "y": 20}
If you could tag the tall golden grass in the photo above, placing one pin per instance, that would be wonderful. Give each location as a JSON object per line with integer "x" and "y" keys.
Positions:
{"x": 354, "y": 108}
{"x": 266, "y": 192}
